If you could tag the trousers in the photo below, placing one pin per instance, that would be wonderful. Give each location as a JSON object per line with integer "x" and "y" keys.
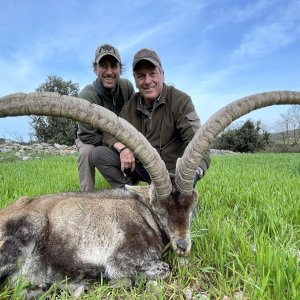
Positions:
{"x": 86, "y": 167}
{"x": 107, "y": 161}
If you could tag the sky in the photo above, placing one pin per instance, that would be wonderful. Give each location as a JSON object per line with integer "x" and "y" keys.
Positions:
{"x": 217, "y": 51}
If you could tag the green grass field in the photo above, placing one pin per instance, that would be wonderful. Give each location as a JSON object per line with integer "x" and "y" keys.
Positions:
{"x": 246, "y": 236}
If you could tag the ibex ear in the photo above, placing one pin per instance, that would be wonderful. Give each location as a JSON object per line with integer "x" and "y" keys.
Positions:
{"x": 141, "y": 190}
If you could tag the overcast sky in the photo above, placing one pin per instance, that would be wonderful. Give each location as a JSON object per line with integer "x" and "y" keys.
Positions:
{"x": 217, "y": 51}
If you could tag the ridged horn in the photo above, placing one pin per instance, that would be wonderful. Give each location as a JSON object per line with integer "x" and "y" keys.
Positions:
{"x": 56, "y": 105}
{"x": 194, "y": 152}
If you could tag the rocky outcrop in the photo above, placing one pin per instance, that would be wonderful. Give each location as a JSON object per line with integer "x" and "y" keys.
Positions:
{"x": 222, "y": 152}
{"x": 28, "y": 151}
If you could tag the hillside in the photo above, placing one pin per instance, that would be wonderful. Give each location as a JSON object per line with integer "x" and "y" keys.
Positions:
{"x": 277, "y": 136}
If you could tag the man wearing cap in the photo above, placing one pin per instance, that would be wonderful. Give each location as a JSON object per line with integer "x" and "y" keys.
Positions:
{"x": 162, "y": 113}
{"x": 108, "y": 90}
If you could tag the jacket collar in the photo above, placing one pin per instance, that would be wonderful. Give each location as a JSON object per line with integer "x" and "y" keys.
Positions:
{"x": 102, "y": 91}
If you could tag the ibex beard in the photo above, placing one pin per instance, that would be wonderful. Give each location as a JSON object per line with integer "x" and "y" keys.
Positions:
{"x": 80, "y": 236}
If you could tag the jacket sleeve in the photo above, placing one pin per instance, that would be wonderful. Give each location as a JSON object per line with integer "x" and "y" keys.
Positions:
{"x": 108, "y": 139}
{"x": 86, "y": 133}
{"x": 187, "y": 120}
{"x": 188, "y": 123}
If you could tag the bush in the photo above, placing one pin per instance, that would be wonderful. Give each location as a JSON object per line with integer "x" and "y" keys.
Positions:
{"x": 247, "y": 138}
{"x": 55, "y": 129}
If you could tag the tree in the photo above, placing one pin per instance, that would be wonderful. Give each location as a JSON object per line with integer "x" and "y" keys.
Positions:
{"x": 289, "y": 125}
{"x": 55, "y": 129}
{"x": 294, "y": 112}
{"x": 284, "y": 124}
{"x": 249, "y": 137}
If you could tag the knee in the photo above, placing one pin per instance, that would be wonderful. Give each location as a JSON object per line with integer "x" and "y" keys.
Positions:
{"x": 85, "y": 150}
{"x": 103, "y": 156}
{"x": 97, "y": 154}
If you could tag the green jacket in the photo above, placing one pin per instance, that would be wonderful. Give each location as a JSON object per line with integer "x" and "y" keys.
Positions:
{"x": 96, "y": 94}
{"x": 169, "y": 127}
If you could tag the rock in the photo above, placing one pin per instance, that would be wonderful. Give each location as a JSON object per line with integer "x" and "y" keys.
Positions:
{"x": 23, "y": 152}
{"x": 222, "y": 152}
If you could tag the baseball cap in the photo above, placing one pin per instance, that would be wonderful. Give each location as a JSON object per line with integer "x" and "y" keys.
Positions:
{"x": 146, "y": 54}
{"x": 107, "y": 49}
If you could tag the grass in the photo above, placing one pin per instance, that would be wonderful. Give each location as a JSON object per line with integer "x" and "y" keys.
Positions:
{"x": 246, "y": 236}
{"x": 46, "y": 175}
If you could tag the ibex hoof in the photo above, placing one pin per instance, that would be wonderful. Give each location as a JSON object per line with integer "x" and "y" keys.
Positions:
{"x": 79, "y": 291}
{"x": 159, "y": 269}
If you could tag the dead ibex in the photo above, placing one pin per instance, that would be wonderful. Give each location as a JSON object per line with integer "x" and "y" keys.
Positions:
{"x": 116, "y": 233}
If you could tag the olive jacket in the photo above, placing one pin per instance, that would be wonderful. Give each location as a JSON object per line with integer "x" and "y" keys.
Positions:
{"x": 96, "y": 94}
{"x": 169, "y": 127}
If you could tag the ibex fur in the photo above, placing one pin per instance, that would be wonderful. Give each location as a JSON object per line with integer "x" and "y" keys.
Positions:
{"x": 80, "y": 235}
{"x": 117, "y": 233}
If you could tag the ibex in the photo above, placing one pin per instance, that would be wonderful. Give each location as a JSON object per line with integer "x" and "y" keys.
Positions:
{"x": 116, "y": 233}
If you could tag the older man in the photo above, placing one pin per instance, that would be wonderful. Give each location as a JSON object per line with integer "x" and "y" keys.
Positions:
{"x": 163, "y": 114}
{"x": 108, "y": 90}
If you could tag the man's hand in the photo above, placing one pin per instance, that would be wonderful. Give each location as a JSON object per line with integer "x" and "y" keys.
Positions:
{"x": 127, "y": 160}
{"x": 126, "y": 157}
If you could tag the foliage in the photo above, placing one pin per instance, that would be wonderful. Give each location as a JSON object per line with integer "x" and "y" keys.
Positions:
{"x": 245, "y": 236}
{"x": 55, "y": 129}
{"x": 247, "y": 138}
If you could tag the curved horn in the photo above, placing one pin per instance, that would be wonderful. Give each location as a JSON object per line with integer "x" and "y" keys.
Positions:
{"x": 53, "y": 104}
{"x": 187, "y": 165}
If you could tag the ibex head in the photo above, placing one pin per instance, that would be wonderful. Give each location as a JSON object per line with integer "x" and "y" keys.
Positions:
{"x": 174, "y": 213}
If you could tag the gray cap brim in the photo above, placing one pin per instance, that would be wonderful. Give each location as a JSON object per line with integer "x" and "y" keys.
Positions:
{"x": 154, "y": 62}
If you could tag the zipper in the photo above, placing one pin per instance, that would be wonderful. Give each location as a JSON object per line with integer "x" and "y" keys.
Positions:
{"x": 114, "y": 102}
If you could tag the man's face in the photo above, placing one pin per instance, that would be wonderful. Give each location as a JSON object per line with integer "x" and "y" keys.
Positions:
{"x": 149, "y": 80}
{"x": 108, "y": 71}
